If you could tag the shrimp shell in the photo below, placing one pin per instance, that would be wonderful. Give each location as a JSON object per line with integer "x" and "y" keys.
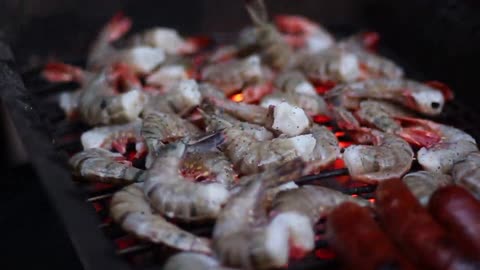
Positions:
{"x": 274, "y": 49}
{"x": 242, "y": 237}
{"x": 314, "y": 202}
{"x": 104, "y": 137}
{"x": 453, "y": 146}
{"x": 176, "y": 197}
{"x": 423, "y": 184}
{"x": 411, "y": 94}
{"x": 379, "y": 114}
{"x": 302, "y": 208}
{"x": 99, "y": 104}
{"x": 100, "y": 165}
{"x": 159, "y": 128}
{"x": 326, "y": 150}
{"x": 390, "y": 157}
{"x": 331, "y": 65}
{"x": 130, "y": 209}
{"x": 466, "y": 173}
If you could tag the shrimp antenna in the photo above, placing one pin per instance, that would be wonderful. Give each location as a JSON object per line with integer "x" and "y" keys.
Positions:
{"x": 323, "y": 175}
{"x": 257, "y": 11}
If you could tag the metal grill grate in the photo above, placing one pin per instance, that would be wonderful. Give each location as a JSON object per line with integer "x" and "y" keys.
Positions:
{"x": 77, "y": 202}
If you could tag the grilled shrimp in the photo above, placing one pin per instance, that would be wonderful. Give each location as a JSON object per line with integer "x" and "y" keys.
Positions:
{"x": 177, "y": 197}
{"x": 242, "y": 236}
{"x": 131, "y": 210}
{"x": 100, "y": 165}
{"x": 167, "y": 76}
{"x": 330, "y": 65}
{"x": 182, "y": 97}
{"x": 233, "y": 75}
{"x": 466, "y": 173}
{"x": 326, "y": 149}
{"x": 282, "y": 118}
{"x": 99, "y": 103}
{"x": 390, "y": 157}
{"x": 142, "y": 59}
{"x": 250, "y": 155}
{"x": 380, "y": 114}
{"x": 411, "y": 94}
{"x": 114, "y": 136}
{"x": 170, "y": 41}
{"x": 159, "y": 128}
{"x": 423, "y": 184}
{"x": 304, "y": 206}
{"x": 374, "y": 65}
{"x": 444, "y": 145}
{"x": 302, "y": 33}
{"x": 275, "y": 50}
{"x": 298, "y": 91}
{"x": 210, "y": 165}
{"x": 190, "y": 261}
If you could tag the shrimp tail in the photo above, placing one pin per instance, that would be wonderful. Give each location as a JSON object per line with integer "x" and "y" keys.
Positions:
{"x": 423, "y": 136}
{"x": 118, "y": 26}
{"x": 60, "y": 72}
{"x": 207, "y": 143}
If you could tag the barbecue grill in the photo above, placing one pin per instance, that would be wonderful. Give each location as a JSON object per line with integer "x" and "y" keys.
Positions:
{"x": 49, "y": 138}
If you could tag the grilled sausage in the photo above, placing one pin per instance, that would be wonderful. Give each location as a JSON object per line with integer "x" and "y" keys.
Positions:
{"x": 359, "y": 241}
{"x": 415, "y": 231}
{"x": 459, "y": 212}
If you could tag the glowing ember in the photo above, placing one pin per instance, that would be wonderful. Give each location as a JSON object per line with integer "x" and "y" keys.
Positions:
{"x": 344, "y": 144}
{"x": 339, "y": 164}
{"x": 340, "y": 133}
{"x": 324, "y": 87}
{"x": 321, "y": 119}
{"x": 125, "y": 242}
{"x": 325, "y": 254}
{"x": 237, "y": 97}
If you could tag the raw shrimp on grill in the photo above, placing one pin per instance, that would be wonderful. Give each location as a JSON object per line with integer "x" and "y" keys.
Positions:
{"x": 115, "y": 137}
{"x": 282, "y": 118}
{"x": 389, "y": 157}
{"x": 330, "y": 65}
{"x": 275, "y": 50}
{"x": 249, "y": 154}
{"x": 178, "y": 197}
{"x": 416, "y": 96}
{"x": 131, "y": 210}
{"x": 181, "y": 98}
{"x": 466, "y": 173}
{"x": 295, "y": 89}
{"x": 169, "y": 40}
{"x": 159, "y": 128}
{"x": 302, "y": 33}
{"x": 373, "y": 65}
{"x": 423, "y": 184}
{"x": 100, "y": 104}
{"x": 443, "y": 145}
{"x": 380, "y": 114}
{"x": 100, "y": 165}
{"x": 307, "y": 205}
{"x": 142, "y": 59}
{"x": 242, "y": 236}
{"x": 234, "y": 75}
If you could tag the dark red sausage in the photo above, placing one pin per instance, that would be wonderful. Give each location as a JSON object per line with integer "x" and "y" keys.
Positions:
{"x": 359, "y": 241}
{"x": 414, "y": 230}
{"x": 459, "y": 212}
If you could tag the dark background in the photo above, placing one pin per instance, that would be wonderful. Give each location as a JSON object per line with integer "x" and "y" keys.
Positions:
{"x": 440, "y": 39}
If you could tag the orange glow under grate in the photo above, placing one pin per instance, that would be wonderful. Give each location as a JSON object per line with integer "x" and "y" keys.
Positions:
{"x": 237, "y": 97}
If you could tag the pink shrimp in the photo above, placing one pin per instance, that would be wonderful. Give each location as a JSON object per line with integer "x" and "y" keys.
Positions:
{"x": 300, "y": 32}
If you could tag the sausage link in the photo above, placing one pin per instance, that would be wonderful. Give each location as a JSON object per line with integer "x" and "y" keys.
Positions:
{"x": 459, "y": 212}
{"x": 414, "y": 230}
{"x": 359, "y": 241}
